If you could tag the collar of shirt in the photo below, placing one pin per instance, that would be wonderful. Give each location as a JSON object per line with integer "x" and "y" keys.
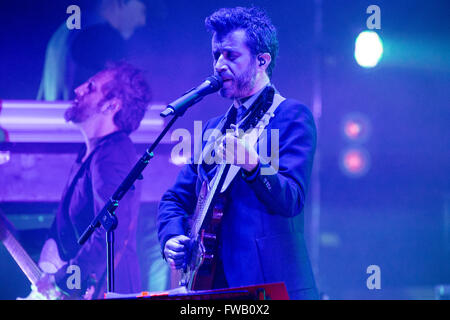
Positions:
{"x": 249, "y": 100}
{"x": 96, "y": 142}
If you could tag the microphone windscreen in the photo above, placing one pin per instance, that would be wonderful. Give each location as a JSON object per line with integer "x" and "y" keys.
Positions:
{"x": 216, "y": 81}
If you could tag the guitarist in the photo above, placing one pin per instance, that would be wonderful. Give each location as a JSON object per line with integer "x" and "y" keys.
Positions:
{"x": 107, "y": 108}
{"x": 260, "y": 237}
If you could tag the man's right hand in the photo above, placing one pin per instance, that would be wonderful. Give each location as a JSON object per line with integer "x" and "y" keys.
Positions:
{"x": 175, "y": 251}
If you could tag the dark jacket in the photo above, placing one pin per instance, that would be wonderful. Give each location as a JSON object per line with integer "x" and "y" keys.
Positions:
{"x": 90, "y": 184}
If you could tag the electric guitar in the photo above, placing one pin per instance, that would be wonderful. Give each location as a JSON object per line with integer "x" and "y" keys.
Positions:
{"x": 200, "y": 269}
{"x": 31, "y": 270}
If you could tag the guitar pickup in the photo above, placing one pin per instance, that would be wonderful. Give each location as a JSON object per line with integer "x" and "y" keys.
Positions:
{"x": 209, "y": 236}
{"x": 208, "y": 257}
{"x": 217, "y": 214}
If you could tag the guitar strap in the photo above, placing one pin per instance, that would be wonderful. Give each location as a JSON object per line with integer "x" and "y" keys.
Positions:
{"x": 253, "y": 136}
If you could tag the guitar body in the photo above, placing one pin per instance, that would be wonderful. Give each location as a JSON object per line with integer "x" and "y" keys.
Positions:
{"x": 206, "y": 252}
{"x": 50, "y": 261}
{"x": 49, "y": 264}
{"x": 201, "y": 266}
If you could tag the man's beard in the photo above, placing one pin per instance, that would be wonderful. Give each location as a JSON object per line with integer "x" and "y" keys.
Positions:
{"x": 78, "y": 112}
{"x": 242, "y": 85}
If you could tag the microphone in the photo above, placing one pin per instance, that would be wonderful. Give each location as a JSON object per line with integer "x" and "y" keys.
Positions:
{"x": 210, "y": 85}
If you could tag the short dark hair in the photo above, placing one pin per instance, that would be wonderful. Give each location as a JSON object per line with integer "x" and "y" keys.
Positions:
{"x": 261, "y": 33}
{"x": 129, "y": 86}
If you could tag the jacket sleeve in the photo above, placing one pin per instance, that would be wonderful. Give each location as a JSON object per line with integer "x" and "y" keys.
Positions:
{"x": 283, "y": 190}
{"x": 176, "y": 204}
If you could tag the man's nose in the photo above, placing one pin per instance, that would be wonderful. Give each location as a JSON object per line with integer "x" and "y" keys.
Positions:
{"x": 79, "y": 91}
{"x": 220, "y": 65}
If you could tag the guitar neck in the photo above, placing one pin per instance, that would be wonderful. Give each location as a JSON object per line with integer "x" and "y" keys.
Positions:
{"x": 200, "y": 216}
{"x": 28, "y": 266}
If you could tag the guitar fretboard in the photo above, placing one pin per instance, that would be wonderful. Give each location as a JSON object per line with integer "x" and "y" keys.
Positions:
{"x": 206, "y": 205}
{"x": 28, "y": 266}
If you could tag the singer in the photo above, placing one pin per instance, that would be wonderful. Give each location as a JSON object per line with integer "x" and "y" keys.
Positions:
{"x": 260, "y": 235}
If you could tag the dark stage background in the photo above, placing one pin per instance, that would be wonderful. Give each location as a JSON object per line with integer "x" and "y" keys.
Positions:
{"x": 396, "y": 215}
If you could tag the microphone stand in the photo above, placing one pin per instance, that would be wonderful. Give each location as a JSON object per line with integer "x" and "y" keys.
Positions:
{"x": 107, "y": 217}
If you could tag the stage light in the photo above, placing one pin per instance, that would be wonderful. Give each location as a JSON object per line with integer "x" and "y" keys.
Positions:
{"x": 354, "y": 162}
{"x": 5, "y": 156}
{"x": 356, "y": 127}
{"x": 353, "y": 129}
{"x": 368, "y": 49}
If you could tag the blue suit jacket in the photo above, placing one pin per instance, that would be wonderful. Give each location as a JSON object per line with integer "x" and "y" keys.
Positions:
{"x": 262, "y": 227}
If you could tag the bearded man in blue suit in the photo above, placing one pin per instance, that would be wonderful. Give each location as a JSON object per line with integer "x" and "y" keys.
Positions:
{"x": 262, "y": 229}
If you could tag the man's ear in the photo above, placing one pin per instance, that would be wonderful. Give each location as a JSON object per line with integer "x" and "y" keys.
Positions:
{"x": 111, "y": 106}
{"x": 263, "y": 60}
